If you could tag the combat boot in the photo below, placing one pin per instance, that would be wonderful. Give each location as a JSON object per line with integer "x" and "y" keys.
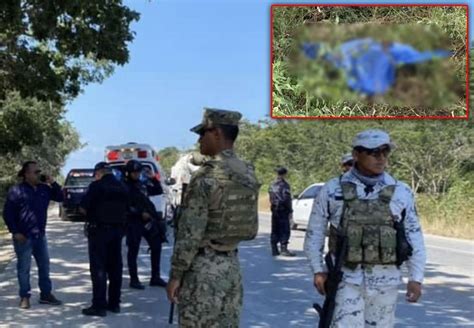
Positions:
{"x": 286, "y": 252}
{"x": 275, "y": 251}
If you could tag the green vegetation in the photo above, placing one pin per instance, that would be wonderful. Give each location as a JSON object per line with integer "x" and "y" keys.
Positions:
{"x": 168, "y": 157}
{"x": 48, "y": 51}
{"x": 314, "y": 88}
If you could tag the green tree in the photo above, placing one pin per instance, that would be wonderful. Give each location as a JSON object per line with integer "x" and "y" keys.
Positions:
{"x": 50, "y": 49}
{"x": 168, "y": 157}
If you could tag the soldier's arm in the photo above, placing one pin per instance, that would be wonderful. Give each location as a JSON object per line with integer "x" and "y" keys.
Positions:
{"x": 191, "y": 225}
{"x": 316, "y": 231}
{"x": 155, "y": 188}
{"x": 416, "y": 263}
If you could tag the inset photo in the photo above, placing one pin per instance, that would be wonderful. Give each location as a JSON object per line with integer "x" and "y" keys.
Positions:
{"x": 369, "y": 61}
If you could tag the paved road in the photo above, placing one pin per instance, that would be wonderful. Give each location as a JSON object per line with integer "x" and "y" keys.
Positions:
{"x": 278, "y": 291}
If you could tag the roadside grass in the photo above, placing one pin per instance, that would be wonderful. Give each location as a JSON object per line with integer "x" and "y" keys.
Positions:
{"x": 437, "y": 215}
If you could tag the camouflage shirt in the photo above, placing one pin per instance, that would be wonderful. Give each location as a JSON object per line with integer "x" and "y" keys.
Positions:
{"x": 204, "y": 193}
{"x": 328, "y": 208}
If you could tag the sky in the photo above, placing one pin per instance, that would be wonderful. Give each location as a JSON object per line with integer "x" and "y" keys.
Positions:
{"x": 184, "y": 57}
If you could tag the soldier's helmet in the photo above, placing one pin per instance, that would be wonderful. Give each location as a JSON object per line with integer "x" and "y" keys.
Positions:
{"x": 133, "y": 166}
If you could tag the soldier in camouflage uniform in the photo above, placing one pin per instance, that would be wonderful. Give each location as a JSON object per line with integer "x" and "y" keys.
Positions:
{"x": 219, "y": 211}
{"x": 364, "y": 203}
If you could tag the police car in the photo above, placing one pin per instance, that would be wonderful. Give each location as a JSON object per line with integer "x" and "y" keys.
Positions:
{"x": 303, "y": 204}
{"x": 75, "y": 187}
{"x": 118, "y": 156}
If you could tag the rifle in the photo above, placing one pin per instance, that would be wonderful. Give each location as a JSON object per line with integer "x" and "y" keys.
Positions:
{"x": 404, "y": 249}
{"x": 176, "y": 215}
{"x": 335, "y": 274}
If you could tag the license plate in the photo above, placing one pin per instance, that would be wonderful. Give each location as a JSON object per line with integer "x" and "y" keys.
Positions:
{"x": 127, "y": 155}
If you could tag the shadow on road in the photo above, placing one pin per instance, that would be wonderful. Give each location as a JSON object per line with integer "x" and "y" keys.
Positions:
{"x": 71, "y": 283}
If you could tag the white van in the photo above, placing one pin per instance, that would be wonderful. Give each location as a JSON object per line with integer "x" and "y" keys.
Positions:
{"x": 118, "y": 156}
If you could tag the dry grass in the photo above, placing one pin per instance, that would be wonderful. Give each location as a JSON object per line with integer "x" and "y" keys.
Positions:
{"x": 264, "y": 202}
{"x": 439, "y": 218}
{"x": 435, "y": 218}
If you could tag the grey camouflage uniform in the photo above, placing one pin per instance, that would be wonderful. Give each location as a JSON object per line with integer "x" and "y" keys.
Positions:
{"x": 366, "y": 296}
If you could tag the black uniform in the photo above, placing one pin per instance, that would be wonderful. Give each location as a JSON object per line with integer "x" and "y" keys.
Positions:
{"x": 106, "y": 203}
{"x": 152, "y": 230}
{"x": 281, "y": 207}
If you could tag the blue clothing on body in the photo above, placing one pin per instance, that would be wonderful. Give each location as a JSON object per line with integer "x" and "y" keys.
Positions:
{"x": 370, "y": 66}
{"x": 26, "y": 208}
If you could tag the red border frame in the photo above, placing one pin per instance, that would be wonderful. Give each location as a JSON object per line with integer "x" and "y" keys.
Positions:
{"x": 466, "y": 117}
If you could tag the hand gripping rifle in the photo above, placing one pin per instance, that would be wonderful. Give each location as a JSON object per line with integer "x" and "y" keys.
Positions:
{"x": 177, "y": 213}
{"x": 335, "y": 273}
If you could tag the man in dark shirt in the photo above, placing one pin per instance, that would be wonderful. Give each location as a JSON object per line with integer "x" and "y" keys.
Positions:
{"x": 143, "y": 221}
{"x": 105, "y": 207}
{"x": 25, "y": 214}
{"x": 281, "y": 207}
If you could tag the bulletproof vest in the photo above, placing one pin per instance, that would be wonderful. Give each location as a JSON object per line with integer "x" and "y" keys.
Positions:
{"x": 235, "y": 217}
{"x": 112, "y": 206}
{"x": 368, "y": 226}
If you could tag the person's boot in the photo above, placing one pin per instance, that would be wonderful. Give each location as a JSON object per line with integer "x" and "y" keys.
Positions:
{"x": 285, "y": 251}
{"x": 158, "y": 282}
{"x": 24, "y": 303}
{"x": 49, "y": 299}
{"x": 136, "y": 284}
{"x": 275, "y": 251}
{"x": 113, "y": 308}
{"x": 95, "y": 312}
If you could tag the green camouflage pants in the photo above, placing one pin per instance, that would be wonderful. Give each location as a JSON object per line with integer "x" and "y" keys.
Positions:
{"x": 211, "y": 292}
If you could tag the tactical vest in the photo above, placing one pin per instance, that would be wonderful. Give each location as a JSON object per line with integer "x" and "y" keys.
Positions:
{"x": 236, "y": 217}
{"x": 368, "y": 226}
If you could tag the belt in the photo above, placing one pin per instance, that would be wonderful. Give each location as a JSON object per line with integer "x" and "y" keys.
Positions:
{"x": 204, "y": 250}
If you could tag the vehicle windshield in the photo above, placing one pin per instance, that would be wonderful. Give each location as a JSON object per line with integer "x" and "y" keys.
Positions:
{"x": 311, "y": 192}
{"x": 79, "y": 179}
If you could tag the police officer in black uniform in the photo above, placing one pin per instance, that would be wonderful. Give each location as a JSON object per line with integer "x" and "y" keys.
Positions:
{"x": 281, "y": 207}
{"x": 105, "y": 206}
{"x": 143, "y": 220}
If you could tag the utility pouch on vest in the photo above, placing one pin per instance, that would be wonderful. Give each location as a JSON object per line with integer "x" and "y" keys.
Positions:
{"x": 354, "y": 251}
{"x": 388, "y": 245}
{"x": 370, "y": 244}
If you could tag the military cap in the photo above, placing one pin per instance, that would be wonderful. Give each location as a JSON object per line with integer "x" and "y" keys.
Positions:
{"x": 101, "y": 166}
{"x": 281, "y": 170}
{"x": 213, "y": 117}
{"x": 371, "y": 139}
{"x": 346, "y": 158}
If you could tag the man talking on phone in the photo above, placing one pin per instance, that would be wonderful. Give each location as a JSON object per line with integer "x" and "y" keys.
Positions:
{"x": 25, "y": 214}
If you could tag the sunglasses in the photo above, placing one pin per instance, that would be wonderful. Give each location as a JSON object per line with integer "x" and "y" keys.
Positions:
{"x": 203, "y": 131}
{"x": 376, "y": 152}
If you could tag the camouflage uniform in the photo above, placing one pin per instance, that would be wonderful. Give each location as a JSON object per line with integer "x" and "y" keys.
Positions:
{"x": 367, "y": 294}
{"x": 214, "y": 219}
